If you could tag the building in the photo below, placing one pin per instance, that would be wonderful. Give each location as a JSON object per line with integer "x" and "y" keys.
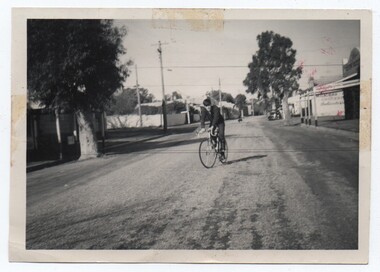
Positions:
{"x": 332, "y": 98}
{"x": 54, "y": 135}
{"x": 351, "y": 70}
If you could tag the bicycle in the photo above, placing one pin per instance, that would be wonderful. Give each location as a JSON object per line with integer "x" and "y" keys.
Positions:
{"x": 210, "y": 149}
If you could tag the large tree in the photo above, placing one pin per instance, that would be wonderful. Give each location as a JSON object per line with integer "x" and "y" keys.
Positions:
{"x": 272, "y": 69}
{"x": 74, "y": 65}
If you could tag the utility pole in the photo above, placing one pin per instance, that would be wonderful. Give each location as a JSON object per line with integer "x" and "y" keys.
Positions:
{"x": 315, "y": 108}
{"x": 300, "y": 108}
{"x": 187, "y": 111}
{"x": 163, "y": 89}
{"x": 138, "y": 96}
{"x": 308, "y": 109}
{"x": 220, "y": 95}
{"x": 103, "y": 130}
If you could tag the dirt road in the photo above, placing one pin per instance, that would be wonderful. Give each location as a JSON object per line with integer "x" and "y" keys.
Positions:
{"x": 283, "y": 188}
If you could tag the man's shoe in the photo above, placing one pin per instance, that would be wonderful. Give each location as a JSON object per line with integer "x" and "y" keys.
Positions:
{"x": 222, "y": 158}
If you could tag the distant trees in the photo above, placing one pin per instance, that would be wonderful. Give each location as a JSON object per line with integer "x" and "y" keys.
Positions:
{"x": 171, "y": 108}
{"x": 74, "y": 65}
{"x": 272, "y": 69}
{"x": 240, "y": 101}
{"x": 173, "y": 96}
{"x": 126, "y": 101}
{"x": 176, "y": 95}
{"x": 214, "y": 95}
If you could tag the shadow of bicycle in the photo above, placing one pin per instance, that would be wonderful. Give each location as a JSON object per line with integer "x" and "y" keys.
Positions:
{"x": 246, "y": 159}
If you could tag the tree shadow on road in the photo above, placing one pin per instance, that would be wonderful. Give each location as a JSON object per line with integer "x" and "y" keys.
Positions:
{"x": 246, "y": 159}
{"x": 154, "y": 147}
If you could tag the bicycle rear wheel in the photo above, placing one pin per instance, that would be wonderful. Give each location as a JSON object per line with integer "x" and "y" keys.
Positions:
{"x": 224, "y": 160}
{"x": 207, "y": 154}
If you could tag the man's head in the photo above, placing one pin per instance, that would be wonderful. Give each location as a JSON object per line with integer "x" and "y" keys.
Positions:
{"x": 207, "y": 103}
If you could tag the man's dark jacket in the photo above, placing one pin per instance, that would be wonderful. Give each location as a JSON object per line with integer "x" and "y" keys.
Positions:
{"x": 213, "y": 116}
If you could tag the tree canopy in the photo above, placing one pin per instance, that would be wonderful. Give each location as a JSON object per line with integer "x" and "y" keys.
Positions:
{"x": 74, "y": 64}
{"x": 240, "y": 101}
{"x": 214, "y": 95}
{"x": 272, "y": 66}
{"x": 173, "y": 96}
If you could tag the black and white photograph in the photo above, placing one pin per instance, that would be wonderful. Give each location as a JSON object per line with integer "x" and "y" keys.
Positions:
{"x": 196, "y": 131}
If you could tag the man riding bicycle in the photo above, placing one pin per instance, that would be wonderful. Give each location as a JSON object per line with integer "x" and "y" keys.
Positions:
{"x": 212, "y": 113}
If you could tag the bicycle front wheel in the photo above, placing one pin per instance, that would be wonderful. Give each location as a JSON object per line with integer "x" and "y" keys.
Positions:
{"x": 207, "y": 154}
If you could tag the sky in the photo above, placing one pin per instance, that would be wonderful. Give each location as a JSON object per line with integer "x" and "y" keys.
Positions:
{"x": 195, "y": 59}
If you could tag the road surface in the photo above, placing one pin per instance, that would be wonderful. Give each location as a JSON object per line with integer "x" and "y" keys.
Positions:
{"x": 283, "y": 188}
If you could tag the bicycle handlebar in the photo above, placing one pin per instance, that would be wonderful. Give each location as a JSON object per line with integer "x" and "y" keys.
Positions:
{"x": 215, "y": 132}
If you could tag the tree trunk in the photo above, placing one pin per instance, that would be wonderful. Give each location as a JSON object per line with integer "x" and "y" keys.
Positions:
{"x": 285, "y": 109}
{"x": 87, "y": 136}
